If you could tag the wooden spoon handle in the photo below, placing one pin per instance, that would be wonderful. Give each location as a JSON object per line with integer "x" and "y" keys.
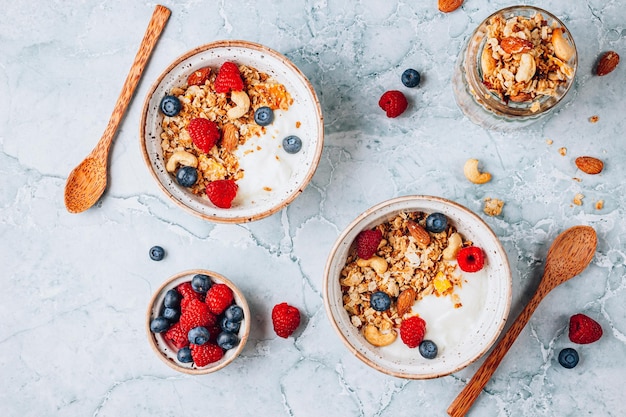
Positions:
{"x": 463, "y": 402}
{"x": 150, "y": 38}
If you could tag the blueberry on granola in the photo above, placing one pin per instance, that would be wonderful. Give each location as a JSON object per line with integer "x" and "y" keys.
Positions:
{"x": 436, "y": 222}
{"x": 410, "y": 78}
{"x": 187, "y": 176}
{"x": 292, "y": 144}
{"x": 263, "y": 116}
{"x": 170, "y": 105}
{"x": 380, "y": 301}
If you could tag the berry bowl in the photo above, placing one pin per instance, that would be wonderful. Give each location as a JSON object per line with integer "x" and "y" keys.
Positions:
{"x": 232, "y": 131}
{"x": 417, "y": 287}
{"x": 198, "y": 322}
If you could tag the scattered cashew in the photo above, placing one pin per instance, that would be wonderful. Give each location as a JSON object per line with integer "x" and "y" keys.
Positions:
{"x": 377, "y": 263}
{"x": 377, "y": 338}
{"x": 242, "y": 104}
{"x": 454, "y": 244}
{"x": 473, "y": 174}
{"x": 527, "y": 68}
{"x": 181, "y": 158}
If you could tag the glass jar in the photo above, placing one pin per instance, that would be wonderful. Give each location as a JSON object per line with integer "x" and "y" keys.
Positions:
{"x": 503, "y": 83}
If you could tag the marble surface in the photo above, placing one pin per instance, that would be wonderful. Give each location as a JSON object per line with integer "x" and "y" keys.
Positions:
{"x": 75, "y": 287}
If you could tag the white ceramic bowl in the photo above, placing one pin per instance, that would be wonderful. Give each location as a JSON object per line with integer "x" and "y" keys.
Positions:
{"x": 164, "y": 349}
{"x": 305, "y": 110}
{"x": 472, "y": 341}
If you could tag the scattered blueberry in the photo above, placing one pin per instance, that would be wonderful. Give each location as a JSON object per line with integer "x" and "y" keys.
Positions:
{"x": 172, "y": 299}
{"x": 436, "y": 222}
{"x": 410, "y": 78}
{"x": 428, "y": 349}
{"x": 292, "y": 144}
{"x": 234, "y": 313}
{"x": 201, "y": 283}
{"x": 227, "y": 340}
{"x": 263, "y": 116}
{"x": 159, "y": 324}
{"x": 170, "y": 106}
{"x": 171, "y": 314}
{"x": 229, "y": 326}
{"x": 198, "y": 335}
{"x": 380, "y": 301}
{"x": 184, "y": 355}
{"x": 157, "y": 253}
{"x": 568, "y": 358}
{"x": 187, "y": 176}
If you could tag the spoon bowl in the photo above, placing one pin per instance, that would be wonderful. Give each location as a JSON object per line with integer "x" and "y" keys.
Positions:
{"x": 85, "y": 184}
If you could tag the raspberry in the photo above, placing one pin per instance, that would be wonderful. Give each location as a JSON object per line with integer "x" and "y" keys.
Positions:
{"x": 471, "y": 259}
{"x": 228, "y": 78}
{"x": 583, "y": 329}
{"x": 199, "y": 76}
{"x": 218, "y": 298}
{"x": 177, "y": 335}
{"x": 204, "y": 133}
{"x": 412, "y": 331}
{"x": 393, "y": 103}
{"x": 196, "y": 313}
{"x": 285, "y": 319}
{"x": 205, "y": 354}
{"x": 222, "y": 192}
{"x": 367, "y": 243}
{"x": 187, "y": 291}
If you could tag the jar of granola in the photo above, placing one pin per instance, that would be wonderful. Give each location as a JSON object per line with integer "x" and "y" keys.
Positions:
{"x": 516, "y": 68}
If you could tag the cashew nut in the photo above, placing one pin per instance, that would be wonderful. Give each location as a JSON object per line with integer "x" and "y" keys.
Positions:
{"x": 473, "y": 174}
{"x": 242, "y": 104}
{"x": 527, "y": 68}
{"x": 454, "y": 244}
{"x": 377, "y": 338}
{"x": 377, "y": 263}
{"x": 563, "y": 49}
{"x": 181, "y": 158}
{"x": 487, "y": 62}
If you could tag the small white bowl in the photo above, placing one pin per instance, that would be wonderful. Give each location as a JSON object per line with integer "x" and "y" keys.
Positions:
{"x": 304, "y": 119}
{"x": 166, "y": 352}
{"x": 471, "y": 341}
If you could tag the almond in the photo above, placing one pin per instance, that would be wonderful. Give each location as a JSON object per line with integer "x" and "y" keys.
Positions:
{"x": 607, "y": 63}
{"x": 420, "y": 234}
{"x": 513, "y": 45}
{"x": 230, "y": 137}
{"x": 405, "y": 301}
{"x": 448, "y": 6}
{"x": 589, "y": 164}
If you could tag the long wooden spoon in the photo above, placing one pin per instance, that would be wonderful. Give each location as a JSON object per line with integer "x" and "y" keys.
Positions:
{"x": 87, "y": 181}
{"x": 568, "y": 256}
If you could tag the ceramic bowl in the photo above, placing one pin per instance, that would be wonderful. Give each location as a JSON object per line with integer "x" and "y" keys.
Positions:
{"x": 460, "y": 340}
{"x": 167, "y": 352}
{"x": 255, "y": 199}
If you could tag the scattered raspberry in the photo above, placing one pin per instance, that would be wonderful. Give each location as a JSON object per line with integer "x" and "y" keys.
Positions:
{"x": 367, "y": 243}
{"x": 199, "y": 76}
{"x": 393, "y": 103}
{"x": 205, "y": 354}
{"x": 584, "y": 329}
{"x": 218, "y": 298}
{"x": 222, "y": 192}
{"x": 471, "y": 259}
{"x": 204, "y": 133}
{"x": 177, "y": 336}
{"x": 196, "y": 313}
{"x": 228, "y": 78}
{"x": 285, "y": 319}
{"x": 412, "y": 331}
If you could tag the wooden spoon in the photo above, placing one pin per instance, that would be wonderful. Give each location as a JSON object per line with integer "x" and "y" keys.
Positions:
{"x": 87, "y": 181}
{"x": 568, "y": 256}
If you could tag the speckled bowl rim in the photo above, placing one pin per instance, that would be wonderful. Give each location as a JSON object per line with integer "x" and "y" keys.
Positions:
{"x": 377, "y": 214}
{"x": 216, "y": 214}
{"x": 155, "y": 340}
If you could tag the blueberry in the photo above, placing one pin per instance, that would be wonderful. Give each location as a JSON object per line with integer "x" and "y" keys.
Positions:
{"x": 201, "y": 283}
{"x": 436, "y": 222}
{"x": 198, "y": 335}
{"x": 263, "y": 116}
{"x": 229, "y": 326}
{"x": 292, "y": 144}
{"x": 187, "y": 176}
{"x": 171, "y": 314}
{"x": 157, "y": 253}
{"x": 568, "y": 358}
{"x": 170, "y": 106}
{"x": 234, "y": 313}
{"x": 172, "y": 299}
{"x": 428, "y": 349}
{"x": 184, "y": 355}
{"x": 159, "y": 324}
{"x": 380, "y": 301}
{"x": 227, "y": 340}
{"x": 410, "y": 78}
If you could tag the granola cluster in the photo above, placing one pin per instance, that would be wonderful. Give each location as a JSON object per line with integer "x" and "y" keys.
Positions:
{"x": 202, "y": 101}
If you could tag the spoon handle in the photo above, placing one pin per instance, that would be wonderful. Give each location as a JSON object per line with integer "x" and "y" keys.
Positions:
{"x": 150, "y": 38}
{"x": 463, "y": 402}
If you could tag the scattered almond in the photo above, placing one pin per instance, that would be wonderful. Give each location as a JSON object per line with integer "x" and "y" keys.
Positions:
{"x": 405, "y": 301}
{"x": 230, "y": 137}
{"x": 420, "y": 234}
{"x": 448, "y": 6}
{"x": 607, "y": 63}
{"x": 589, "y": 165}
{"x": 513, "y": 45}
